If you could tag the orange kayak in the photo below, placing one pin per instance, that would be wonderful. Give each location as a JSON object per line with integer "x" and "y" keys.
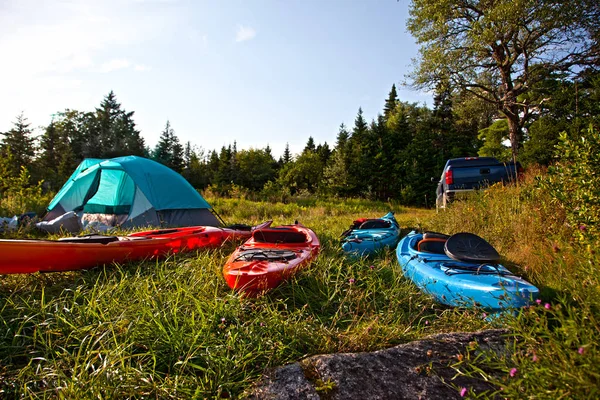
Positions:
{"x": 269, "y": 257}
{"x": 84, "y": 252}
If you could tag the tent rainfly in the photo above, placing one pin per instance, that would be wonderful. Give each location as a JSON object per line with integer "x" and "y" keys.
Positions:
{"x": 131, "y": 192}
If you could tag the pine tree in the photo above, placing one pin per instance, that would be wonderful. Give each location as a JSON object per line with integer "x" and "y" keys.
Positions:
{"x": 234, "y": 170}
{"x": 391, "y": 102}
{"x": 336, "y": 172}
{"x": 310, "y": 145}
{"x": 360, "y": 126}
{"x": 342, "y": 138}
{"x": 51, "y": 155}
{"x": 127, "y": 137}
{"x": 358, "y": 166}
{"x": 113, "y": 131}
{"x": 48, "y": 142}
{"x": 223, "y": 176}
{"x": 177, "y": 162}
{"x": 287, "y": 155}
{"x": 106, "y": 117}
{"x": 163, "y": 151}
{"x": 442, "y": 106}
{"x": 20, "y": 142}
{"x": 213, "y": 167}
{"x": 324, "y": 152}
{"x": 188, "y": 152}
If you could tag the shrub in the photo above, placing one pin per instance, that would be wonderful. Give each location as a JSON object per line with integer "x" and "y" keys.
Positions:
{"x": 19, "y": 196}
{"x": 574, "y": 182}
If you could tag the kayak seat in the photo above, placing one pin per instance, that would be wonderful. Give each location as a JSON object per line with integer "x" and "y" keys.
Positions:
{"x": 432, "y": 245}
{"x": 375, "y": 224}
{"x": 266, "y": 255}
{"x": 240, "y": 227}
{"x": 99, "y": 239}
{"x": 469, "y": 247}
{"x": 433, "y": 235}
{"x": 278, "y": 236}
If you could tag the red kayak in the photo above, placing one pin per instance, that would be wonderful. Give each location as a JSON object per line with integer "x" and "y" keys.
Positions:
{"x": 269, "y": 257}
{"x": 76, "y": 253}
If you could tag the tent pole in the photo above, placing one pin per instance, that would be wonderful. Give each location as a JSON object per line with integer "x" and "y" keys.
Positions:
{"x": 218, "y": 216}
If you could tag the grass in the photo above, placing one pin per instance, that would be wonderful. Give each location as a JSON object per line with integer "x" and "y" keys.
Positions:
{"x": 173, "y": 329}
{"x": 554, "y": 345}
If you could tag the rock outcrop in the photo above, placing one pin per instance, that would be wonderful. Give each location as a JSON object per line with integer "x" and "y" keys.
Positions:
{"x": 415, "y": 370}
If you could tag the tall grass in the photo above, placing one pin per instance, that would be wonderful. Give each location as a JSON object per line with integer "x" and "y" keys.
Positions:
{"x": 554, "y": 345}
{"x": 174, "y": 329}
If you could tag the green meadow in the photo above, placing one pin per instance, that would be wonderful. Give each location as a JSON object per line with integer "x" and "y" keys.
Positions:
{"x": 173, "y": 329}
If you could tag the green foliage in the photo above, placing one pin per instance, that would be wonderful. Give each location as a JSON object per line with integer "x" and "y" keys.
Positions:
{"x": 20, "y": 143}
{"x": 574, "y": 182}
{"x": 553, "y": 353}
{"x": 335, "y": 176}
{"x": 114, "y": 130}
{"x": 305, "y": 172}
{"x": 565, "y": 105}
{"x": 287, "y": 155}
{"x": 255, "y": 168}
{"x": 553, "y": 350}
{"x": 18, "y": 195}
{"x": 543, "y": 137}
{"x": 168, "y": 150}
{"x": 493, "y": 138}
{"x": 391, "y": 102}
{"x": 500, "y": 50}
{"x": 173, "y": 328}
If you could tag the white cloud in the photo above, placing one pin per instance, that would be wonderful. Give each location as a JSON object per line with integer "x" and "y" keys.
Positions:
{"x": 114, "y": 65}
{"x": 244, "y": 33}
{"x": 142, "y": 67}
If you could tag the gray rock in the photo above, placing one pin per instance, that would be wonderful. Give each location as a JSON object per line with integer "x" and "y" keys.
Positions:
{"x": 415, "y": 370}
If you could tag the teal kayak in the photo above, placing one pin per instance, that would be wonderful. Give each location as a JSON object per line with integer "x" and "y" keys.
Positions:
{"x": 366, "y": 236}
{"x": 462, "y": 271}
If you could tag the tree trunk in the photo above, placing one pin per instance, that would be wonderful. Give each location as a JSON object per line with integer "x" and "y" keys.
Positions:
{"x": 514, "y": 133}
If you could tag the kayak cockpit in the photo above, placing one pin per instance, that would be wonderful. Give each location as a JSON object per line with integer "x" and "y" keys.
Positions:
{"x": 274, "y": 235}
{"x": 464, "y": 247}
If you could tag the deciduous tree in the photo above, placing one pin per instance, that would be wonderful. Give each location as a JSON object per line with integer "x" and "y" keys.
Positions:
{"x": 517, "y": 42}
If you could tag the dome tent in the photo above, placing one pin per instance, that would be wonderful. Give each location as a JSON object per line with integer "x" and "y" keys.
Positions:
{"x": 131, "y": 192}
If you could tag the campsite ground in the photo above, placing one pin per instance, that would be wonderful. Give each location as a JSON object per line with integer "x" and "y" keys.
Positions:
{"x": 174, "y": 329}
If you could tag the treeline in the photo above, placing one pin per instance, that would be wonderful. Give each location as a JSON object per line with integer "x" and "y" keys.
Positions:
{"x": 392, "y": 156}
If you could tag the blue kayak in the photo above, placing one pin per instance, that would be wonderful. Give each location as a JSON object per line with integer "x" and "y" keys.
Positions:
{"x": 462, "y": 271}
{"x": 366, "y": 236}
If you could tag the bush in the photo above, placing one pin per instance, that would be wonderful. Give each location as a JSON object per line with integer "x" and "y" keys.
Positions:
{"x": 18, "y": 196}
{"x": 574, "y": 182}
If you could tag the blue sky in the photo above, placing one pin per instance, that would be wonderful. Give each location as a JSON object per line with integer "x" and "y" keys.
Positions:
{"x": 256, "y": 71}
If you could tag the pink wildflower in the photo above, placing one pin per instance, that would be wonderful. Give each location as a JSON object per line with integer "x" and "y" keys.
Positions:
{"x": 581, "y": 350}
{"x": 547, "y": 306}
{"x": 484, "y": 315}
{"x": 539, "y": 301}
{"x": 351, "y": 280}
{"x": 223, "y": 320}
{"x": 426, "y": 322}
{"x": 534, "y": 358}
{"x": 463, "y": 392}
{"x": 372, "y": 267}
{"x": 513, "y": 372}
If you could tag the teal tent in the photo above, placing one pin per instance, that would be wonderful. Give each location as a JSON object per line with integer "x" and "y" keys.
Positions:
{"x": 130, "y": 192}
